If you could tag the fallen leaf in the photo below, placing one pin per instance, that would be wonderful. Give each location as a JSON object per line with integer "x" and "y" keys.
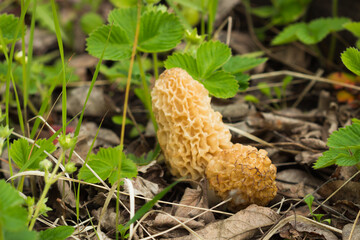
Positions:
{"x": 164, "y": 220}
{"x": 243, "y": 225}
{"x": 349, "y": 192}
{"x": 341, "y": 77}
{"x": 301, "y": 230}
{"x": 344, "y": 96}
{"x": 194, "y": 198}
{"x": 347, "y": 231}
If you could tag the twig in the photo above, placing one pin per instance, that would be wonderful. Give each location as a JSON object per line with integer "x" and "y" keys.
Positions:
{"x": 304, "y": 76}
{"x": 353, "y": 227}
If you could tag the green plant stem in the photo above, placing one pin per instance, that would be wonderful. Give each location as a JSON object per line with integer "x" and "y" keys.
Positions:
{"x": 156, "y": 66}
{"x": 24, "y": 72}
{"x": 146, "y": 92}
{"x": 203, "y": 14}
{"x": 127, "y": 91}
{"x": 333, "y": 38}
{"x": 48, "y": 182}
{"x": 61, "y": 50}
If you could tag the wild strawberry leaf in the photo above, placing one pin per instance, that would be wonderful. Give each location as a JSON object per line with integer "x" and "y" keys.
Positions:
{"x": 159, "y": 31}
{"x": 20, "y": 151}
{"x": 243, "y": 81}
{"x": 221, "y": 84}
{"x": 58, "y": 233}
{"x": 288, "y": 34}
{"x": 184, "y": 61}
{"x": 12, "y": 216}
{"x": 344, "y": 147}
{"x": 351, "y": 59}
{"x": 118, "y": 47}
{"x": 353, "y": 27}
{"x": 126, "y": 19}
{"x": 8, "y": 23}
{"x": 211, "y": 56}
{"x": 105, "y": 164}
{"x": 238, "y": 64}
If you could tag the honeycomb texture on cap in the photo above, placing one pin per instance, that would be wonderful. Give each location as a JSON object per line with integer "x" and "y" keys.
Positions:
{"x": 243, "y": 173}
{"x": 189, "y": 132}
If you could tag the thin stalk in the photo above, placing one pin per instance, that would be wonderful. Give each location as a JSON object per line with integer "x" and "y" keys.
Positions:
{"x": 203, "y": 14}
{"x": 333, "y": 38}
{"x": 29, "y": 57}
{"x": 25, "y": 74}
{"x": 61, "y": 50}
{"x": 127, "y": 91}
{"x": 156, "y": 66}
{"x": 48, "y": 182}
{"x": 7, "y": 98}
{"x": 146, "y": 92}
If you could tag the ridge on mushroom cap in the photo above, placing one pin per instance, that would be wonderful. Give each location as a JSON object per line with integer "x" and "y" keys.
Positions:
{"x": 190, "y": 132}
{"x": 243, "y": 173}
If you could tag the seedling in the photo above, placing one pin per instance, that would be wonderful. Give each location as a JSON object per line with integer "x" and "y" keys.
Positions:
{"x": 309, "y": 199}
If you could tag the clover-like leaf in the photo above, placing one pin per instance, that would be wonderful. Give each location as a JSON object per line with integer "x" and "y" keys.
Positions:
{"x": 221, "y": 84}
{"x": 184, "y": 61}
{"x": 20, "y": 152}
{"x": 8, "y": 23}
{"x": 105, "y": 164}
{"x": 211, "y": 56}
{"x": 242, "y": 80}
{"x": 238, "y": 64}
{"x": 159, "y": 31}
{"x": 344, "y": 147}
{"x": 351, "y": 59}
{"x": 118, "y": 47}
{"x": 58, "y": 233}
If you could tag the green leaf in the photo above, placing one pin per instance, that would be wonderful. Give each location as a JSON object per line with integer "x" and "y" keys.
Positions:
{"x": 211, "y": 56}
{"x": 119, "y": 119}
{"x": 13, "y": 217}
{"x": 265, "y": 89}
{"x": 90, "y": 21}
{"x": 221, "y": 84}
{"x": 251, "y": 98}
{"x": 159, "y": 31}
{"x": 20, "y": 151}
{"x": 118, "y": 47}
{"x": 145, "y": 159}
{"x": 264, "y": 11}
{"x": 124, "y": 3}
{"x": 351, "y": 59}
{"x": 105, "y": 164}
{"x": 288, "y": 34}
{"x": 126, "y": 19}
{"x": 184, "y": 61}
{"x": 8, "y": 25}
{"x": 344, "y": 147}
{"x": 243, "y": 81}
{"x": 238, "y": 64}
{"x": 22, "y": 234}
{"x": 58, "y": 233}
{"x": 354, "y": 28}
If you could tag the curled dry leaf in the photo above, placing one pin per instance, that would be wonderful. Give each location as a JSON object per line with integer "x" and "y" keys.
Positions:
{"x": 194, "y": 198}
{"x": 164, "y": 220}
{"x": 243, "y": 225}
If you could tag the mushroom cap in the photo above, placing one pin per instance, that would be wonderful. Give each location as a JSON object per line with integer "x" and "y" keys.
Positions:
{"x": 243, "y": 173}
{"x": 190, "y": 132}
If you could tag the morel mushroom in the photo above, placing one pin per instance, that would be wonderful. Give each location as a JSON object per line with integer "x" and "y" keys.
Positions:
{"x": 243, "y": 173}
{"x": 189, "y": 132}
{"x": 196, "y": 143}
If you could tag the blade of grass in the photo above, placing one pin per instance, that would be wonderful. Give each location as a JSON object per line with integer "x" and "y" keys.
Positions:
{"x": 28, "y": 64}
{"x": 61, "y": 50}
